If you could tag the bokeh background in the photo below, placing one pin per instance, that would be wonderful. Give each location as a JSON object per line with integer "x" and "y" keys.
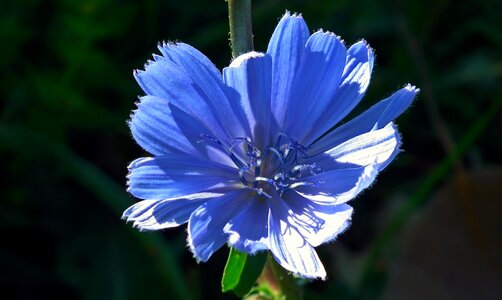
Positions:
{"x": 431, "y": 227}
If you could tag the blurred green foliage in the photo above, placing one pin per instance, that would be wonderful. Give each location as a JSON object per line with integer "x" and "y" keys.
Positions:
{"x": 67, "y": 89}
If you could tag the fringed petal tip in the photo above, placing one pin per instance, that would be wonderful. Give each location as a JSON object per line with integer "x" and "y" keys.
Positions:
{"x": 167, "y": 44}
{"x": 190, "y": 241}
{"x": 239, "y": 60}
{"x": 129, "y": 122}
{"x": 412, "y": 88}
{"x": 312, "y": 274}
{"x": 166, "y": 47}
{"x": 365, "y": 44}
{"x": 341, "y": 229}
{"x": 135, "y": 211}
{"x": 136, "y": 73}
{"x": 193, "y": 249}
{"x": 156, "y": 58}
{"x": 320, "y": 274}
{"x": 149, "y": 63}
{"x": 133, "y": 112}
{"x": 141, "y": 227}
{"x": 125, "y": 216}
{"x": 288, "y": 15}
{"x": 133, "y": 164}
{"x": 149, "y": 215}
{"x": 330, "y": 34}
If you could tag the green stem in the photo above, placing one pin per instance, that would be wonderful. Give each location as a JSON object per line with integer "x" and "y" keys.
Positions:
{"x": 241, "y": 34}
{"x": 277, "y": 282}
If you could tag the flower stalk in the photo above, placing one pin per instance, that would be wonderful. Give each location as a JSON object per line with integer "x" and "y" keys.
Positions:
{"x": 275, "y": 283}
{"x": 241, "y": 34}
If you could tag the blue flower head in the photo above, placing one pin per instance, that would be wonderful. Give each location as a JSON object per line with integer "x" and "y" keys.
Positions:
{"x": 247, "y": 157}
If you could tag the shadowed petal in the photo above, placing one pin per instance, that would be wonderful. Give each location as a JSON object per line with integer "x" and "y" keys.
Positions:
{"x": 339, "y": 185}
{"x": 374, "y": 147}
{"x": 286, "y": 48}
{"x": 161, "y": 128}
{"x": 176, "y": 175}
{"x": 191, "y": 59}
{"x": 317, "y": 223}
{"x": 250, "y": 75}
{"x": 205, "y": 227}
{"x": 315, "y": 83}
{"x": 337, "y": 219}
{"x": 376, "y": 117}
{"x": 208, "y": 79}
{"x": 161, "y": 214}
{"x": 165, "y": 79}
{"x": 248, "y": 230}
{"x": 354, "y": 83}
{"x": 289, "y": 247}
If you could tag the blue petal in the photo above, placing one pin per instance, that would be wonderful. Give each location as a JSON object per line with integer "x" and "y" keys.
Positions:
{"x": 337, "y": 219}
{"x": 289, "y": 248}
{"x": 161, "y": 128}
{"x": 165, "y": 79}
{"x": 250, "y": 75}
{"x": 354, "y": 83}
{"x": 176, "y": 175}
{"x": 317, "y": 223}
{"x": 376, "y": 117}
{"x": 286, "y": 48}
{"x": 205, "y": 227}
{"x": 161, "y": 214}
{"x": 339, "y": 185}
{"x": 376, "y": 147}
{"x": 208, "y": 79}
{"x": 190, "y": 59}
{"x": 315, "y": 83}
{"x": 248, "y": 230}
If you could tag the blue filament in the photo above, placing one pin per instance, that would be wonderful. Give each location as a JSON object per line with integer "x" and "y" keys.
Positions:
{"x": 285, "y": 155}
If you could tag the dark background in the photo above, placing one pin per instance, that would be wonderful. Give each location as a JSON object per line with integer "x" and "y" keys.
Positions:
{"x": 429, "y": 229}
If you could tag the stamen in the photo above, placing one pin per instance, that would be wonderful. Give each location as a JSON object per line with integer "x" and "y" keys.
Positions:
{"x": 301, "y": 183}
{"x": 252, "y": 151}
{"x": 241, "y": 175}
{"x": 277, "y": 154}
{"x": 207, "y": 138}
{"x": 279, "y": 176}
{"x": 267, "y": 180}
{"x": 283, "y": 169}
{"x": 262, "y": 193}
{"x": 297, "y": 170}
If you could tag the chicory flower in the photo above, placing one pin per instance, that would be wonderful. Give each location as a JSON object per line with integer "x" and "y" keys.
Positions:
{"x": 248, "y": 157}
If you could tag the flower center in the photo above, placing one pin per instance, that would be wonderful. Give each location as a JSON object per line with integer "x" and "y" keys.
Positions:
{"x": 278, "y": 167}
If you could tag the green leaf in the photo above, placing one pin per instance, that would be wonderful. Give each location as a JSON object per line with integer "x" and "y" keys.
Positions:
{"x": 241, "y": 271}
